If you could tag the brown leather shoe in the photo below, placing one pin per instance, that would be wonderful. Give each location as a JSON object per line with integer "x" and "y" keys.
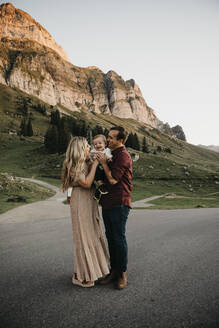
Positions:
{"x": 109, "y": 278}
{"x": 122, "y": 280}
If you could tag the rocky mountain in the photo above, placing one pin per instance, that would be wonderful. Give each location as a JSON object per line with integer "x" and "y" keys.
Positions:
{"x": 211, "y": 147}
{"x": 17, "y": 24}
{"x": 33, "y": 62}
{"x": 176, "y": 131}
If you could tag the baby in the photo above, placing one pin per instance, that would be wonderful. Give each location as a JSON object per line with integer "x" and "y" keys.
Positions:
{"x": 99, "y": 143}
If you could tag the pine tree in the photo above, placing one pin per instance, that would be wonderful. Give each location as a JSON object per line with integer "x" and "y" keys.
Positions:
{"x": 63, "y": 140}
{"x": 23, "y": 127}
{"x": 127, "y": 143}
{"x": 130, "y": 141}
{"x": 63, "y": 135}
{"x": 29, "y": 128}
{"x": 41, "y": 109}
{"x": 100, "y": 130}
{"x": 72, "y": 125}
{"x": 25, "y": 108}
{"x": 22, "y": 105}
{"x": 55, "y": 117}
{"x": 145, "y": 146}
{"x": 83, "y": 129}
{"x": 136, "y": 142}
{"x": 106, "y": 131}
{"x": 89, "y": 135}
{"x": 95, "y": 131}
{"x": 75, "y": 129}
{"x": 51, "y": 139}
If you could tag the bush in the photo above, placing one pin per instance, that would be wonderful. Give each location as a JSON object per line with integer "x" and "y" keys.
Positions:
{"x": 41, "y": 109}
{"x": 145, "y": 148}
{"x": 168, "y": 150}
{"x": 51, "y": 139}
{"x": 29, "y": 128}
{"x": 77, "y": 104}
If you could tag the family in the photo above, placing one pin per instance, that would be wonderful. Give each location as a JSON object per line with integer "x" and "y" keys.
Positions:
{"x": 111, "y": 169}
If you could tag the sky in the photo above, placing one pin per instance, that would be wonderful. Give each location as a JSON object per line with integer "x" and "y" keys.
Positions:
{"x": 170, "y": 48}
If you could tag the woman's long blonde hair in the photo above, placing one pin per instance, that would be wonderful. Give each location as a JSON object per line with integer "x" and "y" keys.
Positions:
{"x": 73, "y": 164}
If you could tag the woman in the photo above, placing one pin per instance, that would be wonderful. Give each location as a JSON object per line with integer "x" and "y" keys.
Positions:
{"x": 91, "y": 260}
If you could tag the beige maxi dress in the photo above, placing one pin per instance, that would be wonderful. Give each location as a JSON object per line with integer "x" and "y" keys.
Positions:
{"x": 91, "y": 257}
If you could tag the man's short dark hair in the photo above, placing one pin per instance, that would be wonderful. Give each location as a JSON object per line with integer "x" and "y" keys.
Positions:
{"x": 122, "y": 133}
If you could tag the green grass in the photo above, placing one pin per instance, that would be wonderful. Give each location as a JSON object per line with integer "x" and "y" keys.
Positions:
{"x": 153, "y": 174}
{"x": 17, "y": 192}
{"x": 189, "y": 170}
{"x": 182, "y": 152}
{"x": 187, "y": 202}
{"x": 52, "y": 181}
{"x": 156, "y": 175}
{"x": 28, "y": 158}
{"x": 144, "y": 188}
{"x": 11, "y": 115}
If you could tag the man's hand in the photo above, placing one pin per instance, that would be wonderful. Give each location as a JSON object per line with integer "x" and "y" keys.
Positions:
{"x": 102, "y": 159}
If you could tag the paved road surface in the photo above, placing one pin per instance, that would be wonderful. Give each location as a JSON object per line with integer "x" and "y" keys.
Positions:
{"x": 173, "y": 272}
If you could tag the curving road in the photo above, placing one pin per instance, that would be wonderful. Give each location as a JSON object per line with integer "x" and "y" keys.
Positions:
{"x": 173, "y": 271}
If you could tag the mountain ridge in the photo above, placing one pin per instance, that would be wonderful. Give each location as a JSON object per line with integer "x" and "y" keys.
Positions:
{"x": 30, "y": 62}
{"x": 210, "y": 147}
{"x": 17, "y": 24}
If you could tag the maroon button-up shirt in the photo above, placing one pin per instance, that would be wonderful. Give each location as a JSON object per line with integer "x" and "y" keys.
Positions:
{"x": 121, "y": 170}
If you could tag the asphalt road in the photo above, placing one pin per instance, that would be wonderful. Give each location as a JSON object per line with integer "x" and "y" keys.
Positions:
{"x": 173, "y": 274}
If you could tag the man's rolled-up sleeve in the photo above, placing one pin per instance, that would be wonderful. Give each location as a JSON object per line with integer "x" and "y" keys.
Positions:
{"x": 119, "y": 167}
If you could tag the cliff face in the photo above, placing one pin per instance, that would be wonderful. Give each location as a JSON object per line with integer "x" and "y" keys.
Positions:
{"x": 40, "y": 71}
{"x": 17, "y": 24}
{"x": 175, "y": 131}
{"x": 31, "y": 61}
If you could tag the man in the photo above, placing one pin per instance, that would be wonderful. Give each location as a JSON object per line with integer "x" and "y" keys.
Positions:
{"x": 116, "y": 204}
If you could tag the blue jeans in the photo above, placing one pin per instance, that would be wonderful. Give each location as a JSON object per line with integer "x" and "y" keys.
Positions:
{"x": 115, "y": 225}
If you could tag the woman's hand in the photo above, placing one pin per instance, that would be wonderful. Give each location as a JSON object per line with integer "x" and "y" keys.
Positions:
{"x": 87, "y": 181}
{"x": 93, "y": 156}
{"x": 95, "y": 162}
{"x": 102, "y": 159}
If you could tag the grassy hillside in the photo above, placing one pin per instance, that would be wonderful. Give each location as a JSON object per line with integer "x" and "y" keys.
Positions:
{"x": 15, "y": 192}
{"x": 11, "y": 113}
{"x": 188, "y": 171}
{"x": 153, "y": 174}
{"x": 182, "y": 152}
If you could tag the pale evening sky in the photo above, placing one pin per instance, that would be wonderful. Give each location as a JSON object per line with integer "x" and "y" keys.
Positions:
{"x": 170, "y": 48}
